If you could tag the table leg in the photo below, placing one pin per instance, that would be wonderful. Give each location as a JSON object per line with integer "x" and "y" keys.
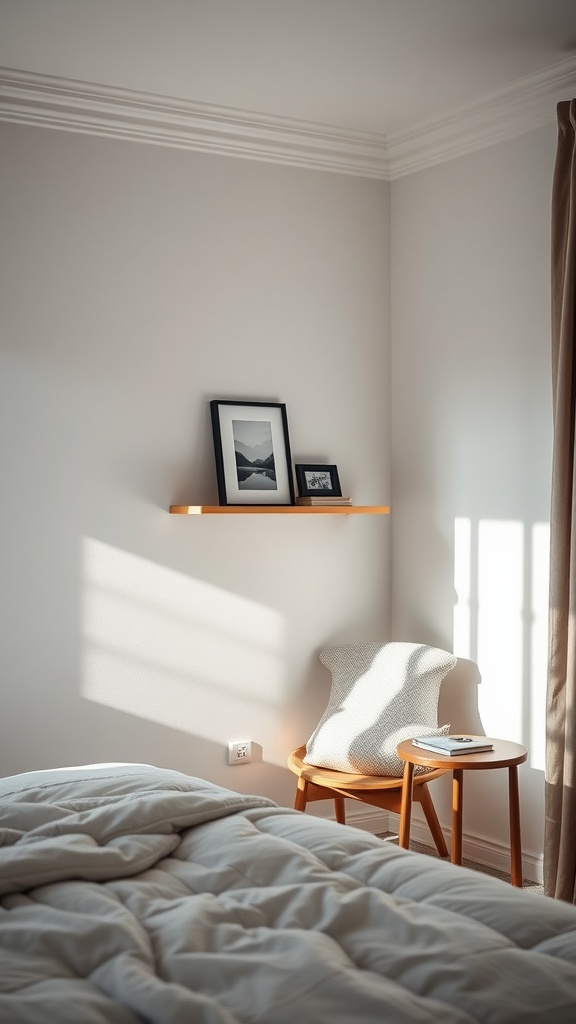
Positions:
{"x": 515, "y": 839}
{"x": 457, "y": 795}
{"x": 406, "y": 806}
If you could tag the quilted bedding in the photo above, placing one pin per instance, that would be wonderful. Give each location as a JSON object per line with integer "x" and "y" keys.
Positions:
{"x": 130, "y": 893}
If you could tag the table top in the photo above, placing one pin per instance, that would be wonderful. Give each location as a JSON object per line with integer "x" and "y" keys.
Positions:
{"x": 504, "y": 755}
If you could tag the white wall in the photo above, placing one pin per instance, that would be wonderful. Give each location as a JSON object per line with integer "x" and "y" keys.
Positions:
{"x": 137, "y": 284}
{"x": 471, "y": 442}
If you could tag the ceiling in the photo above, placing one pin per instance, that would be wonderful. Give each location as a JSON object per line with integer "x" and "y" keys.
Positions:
{"x": 380, "y": 66}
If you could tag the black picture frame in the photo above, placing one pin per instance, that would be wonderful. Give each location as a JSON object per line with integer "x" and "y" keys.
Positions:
{"x": 317, "y": 481}
{"x": 252, "y": 452}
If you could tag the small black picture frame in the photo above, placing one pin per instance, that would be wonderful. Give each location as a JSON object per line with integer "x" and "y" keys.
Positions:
{"x": 252, "y": 451}
{"x": 317, "y": 481}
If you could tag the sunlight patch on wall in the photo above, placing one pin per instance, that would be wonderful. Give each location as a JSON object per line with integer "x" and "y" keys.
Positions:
{"x": 500, "y": 626}
{"x": 501, "y": 623}
{"x": 179, "y": 651}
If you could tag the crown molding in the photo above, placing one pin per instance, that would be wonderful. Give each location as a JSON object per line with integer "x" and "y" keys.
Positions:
{"x": 525, "y": 105}
{"x": 85, "y": 107}
{"x": 107, "y": 111}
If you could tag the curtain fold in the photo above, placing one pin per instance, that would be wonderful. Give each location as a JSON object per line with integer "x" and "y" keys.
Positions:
{"x": 560, "y": 798}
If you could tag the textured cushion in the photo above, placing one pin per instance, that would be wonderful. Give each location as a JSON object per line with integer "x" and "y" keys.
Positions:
{"x": 382, "y": 693}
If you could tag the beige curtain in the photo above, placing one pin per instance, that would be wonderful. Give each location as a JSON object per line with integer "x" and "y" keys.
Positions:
{"x": 560, "y": 828}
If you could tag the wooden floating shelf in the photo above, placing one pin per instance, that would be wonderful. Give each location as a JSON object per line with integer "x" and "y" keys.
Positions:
{"x": 298, "y": 510}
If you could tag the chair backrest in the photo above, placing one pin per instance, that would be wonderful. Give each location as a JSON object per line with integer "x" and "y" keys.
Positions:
{"x": 381, "y": 694}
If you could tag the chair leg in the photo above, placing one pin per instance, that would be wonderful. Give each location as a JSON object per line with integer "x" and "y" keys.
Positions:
{"x": 406, "y": 806}
{"x": 340, "y": 809}
{"x": 300, "y": 798}
{"x": 432, "y": 818}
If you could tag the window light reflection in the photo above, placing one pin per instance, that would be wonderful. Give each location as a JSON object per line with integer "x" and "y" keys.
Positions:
{"x": 501, "y": 623}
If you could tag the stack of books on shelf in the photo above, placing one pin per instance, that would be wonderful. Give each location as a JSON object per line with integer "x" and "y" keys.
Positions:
{"x": 319, "y": 500}
{"x": 450, "y": 746}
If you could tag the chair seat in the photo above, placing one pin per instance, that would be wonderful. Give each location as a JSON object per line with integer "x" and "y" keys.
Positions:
{"x": 382, "y": 791}
{"x": 333, "y": 779}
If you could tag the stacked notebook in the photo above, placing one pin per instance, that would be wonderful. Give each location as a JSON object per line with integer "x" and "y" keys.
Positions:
{"x": 318, "y": 501}
{"x": 452, "y": 745}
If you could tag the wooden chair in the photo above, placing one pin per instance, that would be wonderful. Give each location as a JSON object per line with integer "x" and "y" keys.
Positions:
{"x": 379, "y": 790}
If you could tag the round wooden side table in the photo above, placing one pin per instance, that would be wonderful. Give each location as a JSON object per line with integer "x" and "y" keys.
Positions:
{"x": 504, "y": 755}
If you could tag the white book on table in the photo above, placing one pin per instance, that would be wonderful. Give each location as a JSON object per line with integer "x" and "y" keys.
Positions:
{"x": 451, "y": 745}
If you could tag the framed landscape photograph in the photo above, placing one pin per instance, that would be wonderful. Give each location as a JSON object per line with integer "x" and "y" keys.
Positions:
{"x": 252, "y": 450}
{"x": 317, "y": 481}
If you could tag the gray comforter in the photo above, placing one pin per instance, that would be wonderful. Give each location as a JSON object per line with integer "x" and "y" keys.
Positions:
{"x": 130, "y": 893}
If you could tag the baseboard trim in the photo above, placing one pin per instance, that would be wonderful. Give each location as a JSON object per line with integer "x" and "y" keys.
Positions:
{"x": 478, "y": 848}
{"x": 474, "y": 847}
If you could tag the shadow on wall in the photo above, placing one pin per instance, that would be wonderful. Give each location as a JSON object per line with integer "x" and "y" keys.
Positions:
{"x": 458, "y": 701}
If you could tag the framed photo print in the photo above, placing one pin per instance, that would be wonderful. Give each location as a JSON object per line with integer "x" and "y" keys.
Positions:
{"x": 252, "y": 450}
{"x": 318, "y": 481}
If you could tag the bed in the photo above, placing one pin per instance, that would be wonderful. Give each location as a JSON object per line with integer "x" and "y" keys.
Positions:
{"x": 132, "y": 893}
